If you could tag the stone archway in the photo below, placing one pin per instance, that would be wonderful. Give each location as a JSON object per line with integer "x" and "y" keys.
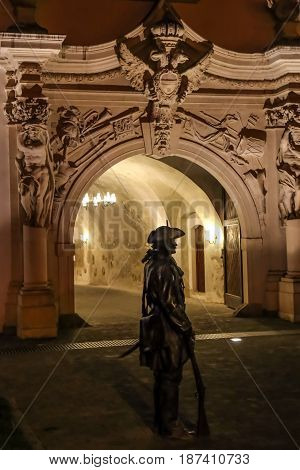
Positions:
{"x": 232, "y": 182}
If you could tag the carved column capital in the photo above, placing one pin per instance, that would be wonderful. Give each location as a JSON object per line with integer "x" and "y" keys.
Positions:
{"x": 25, "y": 100}
{"x": 24, "y": 110}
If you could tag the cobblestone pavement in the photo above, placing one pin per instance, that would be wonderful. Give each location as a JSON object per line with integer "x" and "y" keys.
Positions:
{"x": 90, "y": 399}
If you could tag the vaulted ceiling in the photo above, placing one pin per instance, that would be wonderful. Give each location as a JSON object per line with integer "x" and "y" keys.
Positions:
{"x": 238, "y": 25}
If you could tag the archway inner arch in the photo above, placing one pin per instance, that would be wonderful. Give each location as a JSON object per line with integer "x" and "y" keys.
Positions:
{"x": 192, "y": 154}
{"x": 110, "y": 238}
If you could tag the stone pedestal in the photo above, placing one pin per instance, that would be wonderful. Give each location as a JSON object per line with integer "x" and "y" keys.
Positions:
{"x": 289, "y": 299}
{"x": 271, "y": 296}
{"x": 37, "y": 314}
{"x": 289, "y": 286}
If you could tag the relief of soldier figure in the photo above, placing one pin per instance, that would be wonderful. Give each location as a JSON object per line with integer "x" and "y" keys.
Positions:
{"x": 35, "y": 165}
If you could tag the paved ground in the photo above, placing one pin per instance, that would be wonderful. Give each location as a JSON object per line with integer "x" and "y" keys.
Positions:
{"x": 90, "y": 399}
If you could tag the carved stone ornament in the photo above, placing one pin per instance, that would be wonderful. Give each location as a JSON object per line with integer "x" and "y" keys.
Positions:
{"x": 288, "y": 164}
{"x": 91, "y": 133}
{"x": 286, "y": 112}
{"x": 242, "y": 144}
{"x": 35, "y": 166}
{"x": 164, "y": 78}
{"x": 60, "y": 77}
{"x": 287, "y": 12}
{"x": 29, "y": 110}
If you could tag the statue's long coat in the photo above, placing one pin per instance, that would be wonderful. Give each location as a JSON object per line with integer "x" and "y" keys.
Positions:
{"x": 165, "y": 325}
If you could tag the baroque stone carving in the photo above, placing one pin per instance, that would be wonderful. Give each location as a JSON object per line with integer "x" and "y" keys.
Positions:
{"x": 242, "y": 144}
{"x": 30, "y": 110}
{"x": 35, "y": 165}
{"x": 69, "y": 126}
{"x": 287, "y": 12}
{"x": 34, "y": 159}
{"x": 211, "y": 79}
{"x": 164, "y": 78}
{"x": 92, "y": 131}
{"x": 288, "y": 164}
{"x": 286, "y": 113}
{"x": 57, "y": 77}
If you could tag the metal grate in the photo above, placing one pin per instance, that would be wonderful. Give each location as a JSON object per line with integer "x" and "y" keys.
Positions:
{"x": 130, "y": 342}
{"x": 247, "y": 334}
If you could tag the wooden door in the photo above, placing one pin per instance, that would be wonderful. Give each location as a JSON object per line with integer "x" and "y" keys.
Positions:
{"x": 200, "y": 262}
{"x": 232, "y": 255}
{"x": 233, "y": 264}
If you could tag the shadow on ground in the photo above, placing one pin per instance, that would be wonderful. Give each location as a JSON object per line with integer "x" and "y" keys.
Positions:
{"x": 7, "y": 424}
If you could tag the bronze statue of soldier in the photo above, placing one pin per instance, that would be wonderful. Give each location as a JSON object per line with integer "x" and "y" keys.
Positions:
{"x": 166, "y": 334}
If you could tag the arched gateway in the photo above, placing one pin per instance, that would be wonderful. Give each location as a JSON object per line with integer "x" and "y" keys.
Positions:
{"x": 162, "y": 91}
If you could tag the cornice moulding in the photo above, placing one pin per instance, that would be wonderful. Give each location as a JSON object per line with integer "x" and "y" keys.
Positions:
{"x": 88, "y": 62}
{"x": 17, "y": 47}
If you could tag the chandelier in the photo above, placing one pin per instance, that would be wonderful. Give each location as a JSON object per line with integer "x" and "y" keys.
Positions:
{"x": 96, "y": 200}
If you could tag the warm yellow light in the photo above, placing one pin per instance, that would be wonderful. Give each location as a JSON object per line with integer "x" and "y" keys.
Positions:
{"x": 85, "y": 237}
{"x": 211, "y": 236}
{"x": 85, "y": 200}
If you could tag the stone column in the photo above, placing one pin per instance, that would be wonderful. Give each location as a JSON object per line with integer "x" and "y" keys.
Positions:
{"x": 16, "y": 249}
{"x": 28, "y": 111}
{"x": 252, "y": 251}
{"x": 65, "y": 253}
{"x": 285, "y": 116}
{"x": 289, "y": 286}
{"x": 275, "y": 232}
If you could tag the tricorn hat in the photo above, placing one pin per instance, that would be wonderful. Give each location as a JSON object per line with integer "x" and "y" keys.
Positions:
{"x": 164, "y": 233}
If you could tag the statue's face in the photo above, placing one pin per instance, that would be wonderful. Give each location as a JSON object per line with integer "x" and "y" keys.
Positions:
{"x": 169, "y": 245}
{"x": 33, "y": 137}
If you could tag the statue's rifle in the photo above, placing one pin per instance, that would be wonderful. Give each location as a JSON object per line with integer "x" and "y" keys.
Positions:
{"x": 130, "y": 350}
{"x": 202, "y": 424}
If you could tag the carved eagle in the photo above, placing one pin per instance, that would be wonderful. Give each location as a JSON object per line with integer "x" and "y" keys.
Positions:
{"x": 139, "y": 73}
{"x": 195, "y": 74}
{"x": 135, "y": 70}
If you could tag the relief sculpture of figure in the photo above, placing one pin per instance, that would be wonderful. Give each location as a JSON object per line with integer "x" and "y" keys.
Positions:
{"x": 288, "y": 164}
{"x": 166, "y": 334}
{"x": 35, "y": 165}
